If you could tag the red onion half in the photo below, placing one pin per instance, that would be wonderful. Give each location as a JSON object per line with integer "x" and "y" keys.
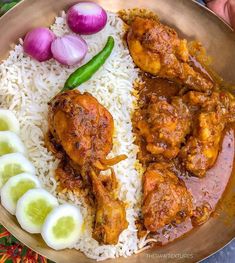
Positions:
{"x": 69, "y": 49}
{"x": 86, "y": 18}
{"x": 37, "y": 43}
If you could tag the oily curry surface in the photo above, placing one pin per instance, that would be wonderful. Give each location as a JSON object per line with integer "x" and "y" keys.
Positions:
{"x": 206, "y": 191}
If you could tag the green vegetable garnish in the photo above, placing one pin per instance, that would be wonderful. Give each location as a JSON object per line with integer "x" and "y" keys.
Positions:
{"x": 85, "y": 72}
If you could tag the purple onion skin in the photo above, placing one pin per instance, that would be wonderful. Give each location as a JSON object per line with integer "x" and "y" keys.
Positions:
{"x": 86, "y": 24}
{"x": 37, "y": 43}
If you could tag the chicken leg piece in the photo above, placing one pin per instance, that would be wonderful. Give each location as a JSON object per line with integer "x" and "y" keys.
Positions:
{"x": 110, "y": 219}
{"x": 82, "y": 129}
{"x": 157, "y": 49}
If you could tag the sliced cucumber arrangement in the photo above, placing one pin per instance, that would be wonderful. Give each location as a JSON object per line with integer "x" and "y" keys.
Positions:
{"x": 62, "y": 227}
{"x": 36, "y": 210}
{"x": 16, "y": 187}
{"x": 13, "y": 164}
{"x": 32, "y": 209}
{"x": 10, "y": 143}
{"x": 8, "y": 121}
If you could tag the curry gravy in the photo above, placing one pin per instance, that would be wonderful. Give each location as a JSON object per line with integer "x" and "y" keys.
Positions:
{"x": 206, "y": 190}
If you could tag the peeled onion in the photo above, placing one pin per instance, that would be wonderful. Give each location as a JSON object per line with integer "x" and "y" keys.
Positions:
{"x": 86, "y": 18}
{"x": 37, "y": 43}
{"x": 69, "y": 49}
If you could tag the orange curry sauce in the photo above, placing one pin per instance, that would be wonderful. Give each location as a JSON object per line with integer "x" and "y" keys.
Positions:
{"x": 208, "y": 189}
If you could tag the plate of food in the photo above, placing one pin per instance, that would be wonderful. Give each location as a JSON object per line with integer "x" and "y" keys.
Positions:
{"x": 117, "y": 130}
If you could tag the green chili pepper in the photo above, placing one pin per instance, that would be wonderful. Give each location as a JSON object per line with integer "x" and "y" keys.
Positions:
{"x": 85, "y": 72}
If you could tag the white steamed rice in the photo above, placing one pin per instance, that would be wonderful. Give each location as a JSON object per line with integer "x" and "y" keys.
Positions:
{"x": 27, "y": 85}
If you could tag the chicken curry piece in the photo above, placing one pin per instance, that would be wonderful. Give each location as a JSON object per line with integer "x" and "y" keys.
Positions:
{"x": 165, "y": 197}
{"x": 157, "y": 49}
{"x": 189, "y": 126}
{"x": 81, "y": 129}
{"x": 82, "y": 126}
{"x": 211, "y": 114}
{"x": 164, "y": 125}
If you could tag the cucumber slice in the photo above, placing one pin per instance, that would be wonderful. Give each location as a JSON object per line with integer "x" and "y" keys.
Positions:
{"x": 62, "y": 227}
{"x": 13, "y": 164}
{"x": 10, "y": 143}
{"x": 32, "y": 209}
{"x": 15, "y": 187}
{"x": 8, "y": 121}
